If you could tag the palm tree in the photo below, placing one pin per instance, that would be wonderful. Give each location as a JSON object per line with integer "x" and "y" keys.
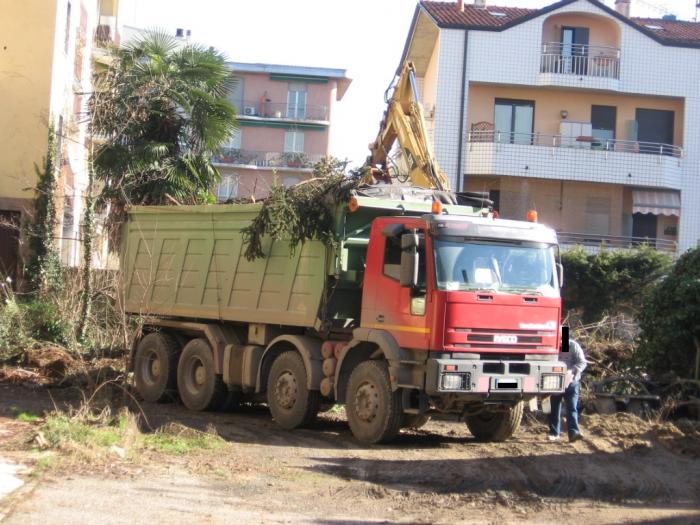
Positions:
{"x": 158, "y": 114}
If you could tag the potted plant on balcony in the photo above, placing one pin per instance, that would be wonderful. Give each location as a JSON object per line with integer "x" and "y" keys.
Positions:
{"x": 294, "y": 159}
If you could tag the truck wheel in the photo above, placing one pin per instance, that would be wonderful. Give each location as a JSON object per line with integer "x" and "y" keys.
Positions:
{"x": 199, "y": 386}
{"x": 496, "y": 426}
{"x": 291, "y": 403}
{"x": 374, "y": 411}
{"x": 414, "y": 420}
{"x": 155, "y": 367}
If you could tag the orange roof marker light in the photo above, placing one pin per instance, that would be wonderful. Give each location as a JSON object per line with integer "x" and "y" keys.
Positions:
{"x": 436, "y": 208}
{"x": 531, "y": 216}
{"x": 353, "y": 205}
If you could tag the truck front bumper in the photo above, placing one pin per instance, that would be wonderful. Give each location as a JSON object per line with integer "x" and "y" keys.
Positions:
{"x": 485, "y": 377}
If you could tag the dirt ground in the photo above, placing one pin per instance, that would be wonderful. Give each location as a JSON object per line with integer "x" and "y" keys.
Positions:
{"x": 626, "y": 471}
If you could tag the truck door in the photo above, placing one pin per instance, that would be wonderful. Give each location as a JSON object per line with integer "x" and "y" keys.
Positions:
{"x": 399, "y": 310}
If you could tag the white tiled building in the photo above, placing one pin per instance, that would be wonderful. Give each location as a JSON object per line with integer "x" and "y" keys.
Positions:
{"x": 575, "y": 109}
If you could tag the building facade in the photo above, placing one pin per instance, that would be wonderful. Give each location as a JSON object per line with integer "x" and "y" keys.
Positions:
{"x": 284, "y": 116}
{"x": 576, "y": 110}
{"x": 46, "y": 57}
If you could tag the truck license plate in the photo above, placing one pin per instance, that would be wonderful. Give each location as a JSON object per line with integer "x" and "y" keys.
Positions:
{"x": 507, "y": 383}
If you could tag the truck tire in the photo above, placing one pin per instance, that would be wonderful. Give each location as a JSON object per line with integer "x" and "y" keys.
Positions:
{"x": 291, "y": 403}
{"x": 155, "y": 367}
{"x": 199, "y": 386}
{"x": 374, "y": 411}
{"x": 414, "y": 420}
{"x": 496, "y": 426}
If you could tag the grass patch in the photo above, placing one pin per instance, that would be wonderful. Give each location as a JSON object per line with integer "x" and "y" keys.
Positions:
{"x": 184, "y": 441}
{"x": 95, "y": 436}
{"x": 24, "y": 417}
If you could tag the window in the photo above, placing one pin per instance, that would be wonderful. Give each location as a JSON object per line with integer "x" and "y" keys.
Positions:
{"x": 574, "y": 50}
{"x": 603, "y": 121}
{"x": 392, "y": 259}
{"x": 514, "y": 121}
{"x": 296, "y": 101}
{"x": 67, "y": 38}
{"x": 235, "y": 96}
{"x": 228, "y": 188}
{"x": 234, "y": 141}
{"x": 293, "y": 142}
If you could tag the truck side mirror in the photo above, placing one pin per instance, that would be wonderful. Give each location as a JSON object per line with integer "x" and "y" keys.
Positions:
{"x": 409, "y": 260}
{"x": 560, "y": 274}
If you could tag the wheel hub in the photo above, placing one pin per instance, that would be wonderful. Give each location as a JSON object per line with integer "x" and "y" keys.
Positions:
{"x": 286, "y": 390}
{"x": 367, "y": 402}
{"x": 153, "y": 367}
{"x": 200, "y": 375}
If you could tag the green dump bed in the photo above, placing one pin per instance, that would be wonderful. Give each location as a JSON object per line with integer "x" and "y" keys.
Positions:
{"x": 188, "y": 261}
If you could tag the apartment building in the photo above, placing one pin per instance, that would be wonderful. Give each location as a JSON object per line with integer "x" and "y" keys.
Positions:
{"x": 46, "y": 52}
{"x": 577, "y": 110}
{"x": 284, "y": 116}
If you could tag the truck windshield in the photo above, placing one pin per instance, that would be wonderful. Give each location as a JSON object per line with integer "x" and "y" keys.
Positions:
{"x": 507, "y": 267}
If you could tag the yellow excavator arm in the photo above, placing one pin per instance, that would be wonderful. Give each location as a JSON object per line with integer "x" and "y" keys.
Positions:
{"x": 403, "y": 123}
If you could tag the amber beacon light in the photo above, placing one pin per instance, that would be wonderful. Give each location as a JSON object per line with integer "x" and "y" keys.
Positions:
{"x": 531, "y": 216}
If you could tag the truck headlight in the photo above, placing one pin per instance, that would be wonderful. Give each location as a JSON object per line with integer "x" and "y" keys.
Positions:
{"x": 459, "y": 381}
{"x": 551, "y": 381}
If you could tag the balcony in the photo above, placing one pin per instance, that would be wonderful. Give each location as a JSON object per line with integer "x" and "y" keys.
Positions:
{"x": 281, "y": 111}
{"x": 580, "y": 65}
{"x": 594, "y": 243}
{"x": 582, "y": 159}
{"x": 265, "y": 159}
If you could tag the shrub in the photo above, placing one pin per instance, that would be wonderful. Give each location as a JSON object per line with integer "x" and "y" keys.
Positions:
{"x": 609, "y": 281}
{"x": 670, "y": 319}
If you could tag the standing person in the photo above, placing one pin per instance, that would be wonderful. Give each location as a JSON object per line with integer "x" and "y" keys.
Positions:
{"x": 575, "y": 362}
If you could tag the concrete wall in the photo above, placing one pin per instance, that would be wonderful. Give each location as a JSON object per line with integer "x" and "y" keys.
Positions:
{"x": 26, "y": 49}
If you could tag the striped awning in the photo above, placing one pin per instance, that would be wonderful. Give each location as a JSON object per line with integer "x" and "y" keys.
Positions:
{"x": 656, "y": 202}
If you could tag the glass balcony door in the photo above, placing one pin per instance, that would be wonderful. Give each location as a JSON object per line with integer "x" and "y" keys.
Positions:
{"x": 514, "y": 121}
{"x": 574, "y": 50}
{"x": 296, "y": 101}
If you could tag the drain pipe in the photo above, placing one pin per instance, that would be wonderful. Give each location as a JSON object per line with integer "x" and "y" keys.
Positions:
{"x": 462, "y": 109}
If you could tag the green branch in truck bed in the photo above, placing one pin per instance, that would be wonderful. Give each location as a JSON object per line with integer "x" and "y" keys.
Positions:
{"x": 303, "y": 211}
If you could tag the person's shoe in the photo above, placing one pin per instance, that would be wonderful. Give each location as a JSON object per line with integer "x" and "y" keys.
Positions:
{"x": 552, "y": 437}
{"x": 575, "y": 437}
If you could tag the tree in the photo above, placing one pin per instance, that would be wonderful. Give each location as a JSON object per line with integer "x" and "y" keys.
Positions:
{"x": 670, "y": 319}
{"x": 610, "y": 280}
{"x": 159, "y": 113}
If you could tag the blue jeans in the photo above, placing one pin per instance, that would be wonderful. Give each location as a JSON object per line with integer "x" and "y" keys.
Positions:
{"x": 571, "y": 399}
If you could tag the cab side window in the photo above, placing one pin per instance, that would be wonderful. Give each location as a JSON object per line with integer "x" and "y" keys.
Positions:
{"x": 392, "y": 259}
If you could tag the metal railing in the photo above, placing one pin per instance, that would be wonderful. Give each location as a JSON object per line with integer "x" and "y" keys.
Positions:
{"x": 580, "y": 60}
{"x": 281, "y": 110}
{"x": 580, "y": 142}
{"x": 615, "y": 242}
{"x": 265, "y": 159}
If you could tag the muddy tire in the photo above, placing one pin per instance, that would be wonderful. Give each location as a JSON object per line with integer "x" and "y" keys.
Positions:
{"x": 155, "y": 367}
{"x": 374, "y": 412}
{"x": 199, "y": 386}
{"x": 414, "y": 420}
{"x": 496, "y": 426}
{"x": 291, "y": 403}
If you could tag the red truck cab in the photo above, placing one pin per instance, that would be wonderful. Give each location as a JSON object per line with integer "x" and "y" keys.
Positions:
{"x": 480, "y": 295}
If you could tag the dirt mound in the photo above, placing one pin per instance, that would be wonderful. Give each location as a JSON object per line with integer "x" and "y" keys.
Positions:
{"x": 628, "y": 431}
{"x": 51, "y": 361}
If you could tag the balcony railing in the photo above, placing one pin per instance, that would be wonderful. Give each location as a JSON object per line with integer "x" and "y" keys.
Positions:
{"x": 281, "y": 110}
{"x": 597, "y": 242}
{"x": 580, "y": 60}
{"x": 581, "y": 142}
{"x": 265, "y": 159}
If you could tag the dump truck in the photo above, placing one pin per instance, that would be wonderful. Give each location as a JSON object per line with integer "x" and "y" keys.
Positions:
{"x": 417, "y": 308}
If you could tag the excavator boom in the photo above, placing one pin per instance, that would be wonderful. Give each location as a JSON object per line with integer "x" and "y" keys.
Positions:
{"x": 403, "y": 123}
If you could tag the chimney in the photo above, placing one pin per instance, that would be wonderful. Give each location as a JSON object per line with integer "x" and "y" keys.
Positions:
{"x": 480, "y": 4}
{"x": 460, "y": 5}
{"x": 623, "y": 7}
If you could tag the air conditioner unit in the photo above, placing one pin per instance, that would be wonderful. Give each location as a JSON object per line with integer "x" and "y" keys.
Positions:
{"x": 250, "y": 111}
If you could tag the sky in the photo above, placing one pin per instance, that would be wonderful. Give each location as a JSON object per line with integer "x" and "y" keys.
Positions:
{"x": 364, "y": 37}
